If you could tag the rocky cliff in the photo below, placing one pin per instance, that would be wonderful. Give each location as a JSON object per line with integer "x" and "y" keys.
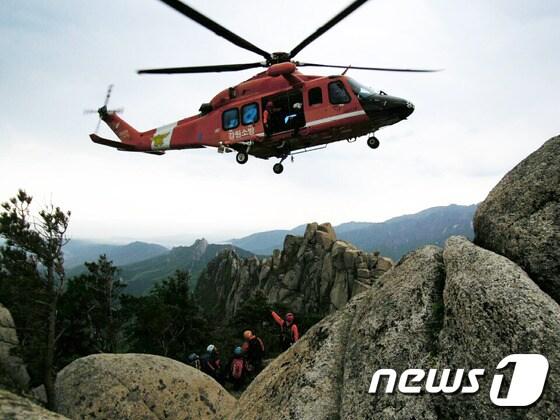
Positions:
{"x": 314, "y": 273}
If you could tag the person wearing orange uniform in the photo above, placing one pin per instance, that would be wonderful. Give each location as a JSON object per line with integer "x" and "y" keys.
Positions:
{"x": 267, "y": 118}
{"x": 288, "y": 329}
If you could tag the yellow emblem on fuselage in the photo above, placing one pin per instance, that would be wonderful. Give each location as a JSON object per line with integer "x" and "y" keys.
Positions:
{"x": 157, "y": 140}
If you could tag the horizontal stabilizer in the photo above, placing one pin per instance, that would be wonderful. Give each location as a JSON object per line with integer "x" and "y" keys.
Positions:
{"x": 115, "y": 144}
{"x": 123, "y": 147}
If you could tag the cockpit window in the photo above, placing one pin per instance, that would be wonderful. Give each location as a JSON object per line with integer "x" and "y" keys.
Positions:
{"x": 361, "y": 91}
{"x": 337, "y": 93}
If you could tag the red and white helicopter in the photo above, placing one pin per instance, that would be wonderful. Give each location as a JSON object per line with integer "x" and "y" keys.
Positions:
{"x": 276, "y": 113}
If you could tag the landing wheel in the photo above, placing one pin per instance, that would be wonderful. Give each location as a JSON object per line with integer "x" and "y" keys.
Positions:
{"x": 242, "y": 158}
{"x": 373, "y": 142}
{"x": 278, "y": 168}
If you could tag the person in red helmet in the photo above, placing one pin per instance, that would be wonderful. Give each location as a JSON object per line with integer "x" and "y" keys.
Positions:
{"x": 255, "y": 351}
{"x": 288, "y": 329}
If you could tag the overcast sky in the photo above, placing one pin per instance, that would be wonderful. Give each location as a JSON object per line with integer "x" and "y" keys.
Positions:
{"x": 495, "y": 103}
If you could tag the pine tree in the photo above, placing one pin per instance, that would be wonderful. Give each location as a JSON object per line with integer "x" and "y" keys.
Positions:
{"x": 40, "y": 239}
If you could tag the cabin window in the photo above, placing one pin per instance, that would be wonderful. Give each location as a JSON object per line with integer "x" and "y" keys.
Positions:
{"x": 315, "y": 96}
{"x": 230, "y": 119}
{"x": 250, "y": 113}
{"x": 338, "y": 93}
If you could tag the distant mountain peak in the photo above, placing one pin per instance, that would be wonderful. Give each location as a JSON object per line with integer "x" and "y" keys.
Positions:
{"x": 200, "y": 245}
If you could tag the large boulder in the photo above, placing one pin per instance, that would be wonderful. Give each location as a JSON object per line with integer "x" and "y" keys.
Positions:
{"x": 139, "y": 386}
{"x": 13, "y": 373}
{"x": 395, "y": 327}
{"x": 493, "y": 309}
{"x": 14, "y": 407}
{"x": 520, "y": 218}
{"x": 460, "y": 307}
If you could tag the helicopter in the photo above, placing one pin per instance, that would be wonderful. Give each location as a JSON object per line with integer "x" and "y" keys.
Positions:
{"x": 277, "y": 113}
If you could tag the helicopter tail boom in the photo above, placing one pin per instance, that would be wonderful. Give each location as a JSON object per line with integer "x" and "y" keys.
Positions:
{"x": 124, "y": 131}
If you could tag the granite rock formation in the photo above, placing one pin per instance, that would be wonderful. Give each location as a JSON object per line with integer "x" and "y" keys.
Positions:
{"x": 520, "y": 218}
{"x": 314, "y": 273}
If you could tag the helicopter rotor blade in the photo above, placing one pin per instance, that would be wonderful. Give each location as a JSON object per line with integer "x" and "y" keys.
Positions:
{"x": 302, "y": 64}
{"x": 202, "y": 69}
{"x": 108, "y": 96}
{"x": 332, "y": 22}
{"x": 97, "y": 126}
{"x": 214, "y": 27}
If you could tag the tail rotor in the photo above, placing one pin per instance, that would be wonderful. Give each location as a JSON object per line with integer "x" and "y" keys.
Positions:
{"x": 103, "y": 111}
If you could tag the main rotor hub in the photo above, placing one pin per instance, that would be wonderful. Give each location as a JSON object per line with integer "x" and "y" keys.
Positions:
{"x": 279, "y": 57}
{"x": 280, "y": 69}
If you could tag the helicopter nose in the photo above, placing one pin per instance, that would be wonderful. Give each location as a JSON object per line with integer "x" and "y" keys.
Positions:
{"x": 409, "y": 109}
{"x": 398, "y": 107}
{"x": 385, "y": 109}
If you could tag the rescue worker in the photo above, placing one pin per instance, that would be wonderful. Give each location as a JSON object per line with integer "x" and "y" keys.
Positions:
{"x": 289, "y": 332}
{"x": 211, "y": 364}
{"x": 255, "y": 351}
{"x": 267, "y": 118}
{"x": 237, "y": 368}
{"x": 299, "y": 120}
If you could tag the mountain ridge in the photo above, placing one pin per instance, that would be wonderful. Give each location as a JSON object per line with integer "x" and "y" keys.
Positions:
{"x": 78, "y": 251}
{"x": 429, "y": 226}
{"x": 142, "y": 275}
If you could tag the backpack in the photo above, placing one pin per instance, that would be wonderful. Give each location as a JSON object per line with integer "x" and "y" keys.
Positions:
{"x": 194, "y": 361}
{"x": 196, "y": 364}
{"x": 237, "y": 367}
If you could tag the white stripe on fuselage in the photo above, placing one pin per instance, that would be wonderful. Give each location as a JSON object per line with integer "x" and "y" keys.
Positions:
{"x": 335, "y": 118}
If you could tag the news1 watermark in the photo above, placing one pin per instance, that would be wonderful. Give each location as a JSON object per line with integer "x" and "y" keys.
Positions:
{"x": 525, "y": 387}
